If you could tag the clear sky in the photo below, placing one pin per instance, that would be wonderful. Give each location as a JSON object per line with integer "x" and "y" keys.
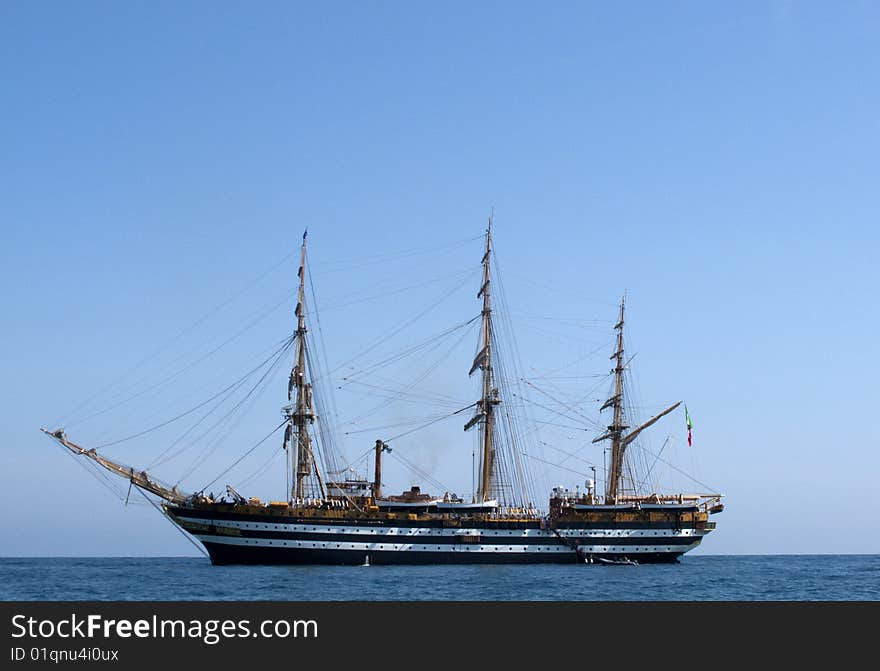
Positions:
{"x": 716, "y": 161}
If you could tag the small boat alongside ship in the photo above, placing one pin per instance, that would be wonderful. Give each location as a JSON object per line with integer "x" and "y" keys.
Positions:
{"x": 325, "y": 519}
{"x": 624, "y": 561}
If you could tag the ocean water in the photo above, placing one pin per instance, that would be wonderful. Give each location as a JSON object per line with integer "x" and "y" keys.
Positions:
{"x": 696, "y": 578}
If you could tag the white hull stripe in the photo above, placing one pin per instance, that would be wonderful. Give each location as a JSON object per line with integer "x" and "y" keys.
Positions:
{"x": 427, "y": 547}
{"x": 426, "y": 532}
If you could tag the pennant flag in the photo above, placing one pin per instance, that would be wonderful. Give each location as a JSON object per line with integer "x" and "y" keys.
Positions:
{"x": 690, "y": 426}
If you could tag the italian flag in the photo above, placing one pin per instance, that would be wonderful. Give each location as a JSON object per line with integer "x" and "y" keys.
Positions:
{"x": 690, "y": 426}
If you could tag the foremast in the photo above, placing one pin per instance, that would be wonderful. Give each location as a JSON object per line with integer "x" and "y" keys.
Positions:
{"x": 486, "y": 404}
{"x": 615, "y": 430}
{"x": 300, "y": 412}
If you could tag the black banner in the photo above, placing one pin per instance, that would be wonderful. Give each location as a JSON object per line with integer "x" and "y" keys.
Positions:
{"x": 374, "y": 635}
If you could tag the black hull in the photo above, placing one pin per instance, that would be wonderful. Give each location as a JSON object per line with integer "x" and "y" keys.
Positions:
{"x": 222, "y": 554}
{"x": 237, "y": 537}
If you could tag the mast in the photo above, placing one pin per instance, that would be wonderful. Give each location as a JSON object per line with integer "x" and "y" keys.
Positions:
{"x": 300, "y": 413}
{"x": 619, "y": 442}
{"x": 617, "y": 426}
{"x": 489, "y": 399}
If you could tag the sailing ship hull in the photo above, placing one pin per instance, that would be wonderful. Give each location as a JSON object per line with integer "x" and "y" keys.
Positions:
{"x": 242, "y": 538}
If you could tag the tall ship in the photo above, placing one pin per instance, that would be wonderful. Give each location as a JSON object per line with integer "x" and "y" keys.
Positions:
{"x": 330, "y": 518}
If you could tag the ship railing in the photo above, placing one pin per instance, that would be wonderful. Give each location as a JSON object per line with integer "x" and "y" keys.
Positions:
{"x": 303, "y": 502}
{"x": 505, "y": 513}
{"x": 709, "y": 501}
{"x": 332, "y": 503}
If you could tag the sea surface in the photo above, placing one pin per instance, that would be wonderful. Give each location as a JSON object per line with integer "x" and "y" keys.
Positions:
{"x": 696, "y": 578}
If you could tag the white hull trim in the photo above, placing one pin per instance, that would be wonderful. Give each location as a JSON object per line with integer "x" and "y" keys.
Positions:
{"x": 446, "y": 548}
{"x": 425, "y": 532}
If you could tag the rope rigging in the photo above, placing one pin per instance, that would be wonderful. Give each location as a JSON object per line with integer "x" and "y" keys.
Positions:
{"x": 258, "y": 388}
{"x": 432, "y": 305}
{"x": 324, "y": 444}
{"x": 405, "y": 393}
{"x": 519, "y": 464}
{"x": 399, "y": 290}
{"x": 180, "y": 334}
{"x": 366, "y": 261}
{"x": 193, "y": 409}
{"x": 177, "y": 373}
{"x": 422, "y": 473}
{"x": 246, "y": 454}
{"x": 430, "y": 423}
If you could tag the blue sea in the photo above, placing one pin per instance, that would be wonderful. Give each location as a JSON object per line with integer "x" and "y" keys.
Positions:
{"x": 696, "y": 578}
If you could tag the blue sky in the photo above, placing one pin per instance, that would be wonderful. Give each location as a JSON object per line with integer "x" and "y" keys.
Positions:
{"x": 716, "y": 162}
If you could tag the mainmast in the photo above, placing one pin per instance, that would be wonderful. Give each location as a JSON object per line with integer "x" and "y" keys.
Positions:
{"x": 300, "y": 413}
{"x": 619, "y": 442}
{"x": 489, "y": 399}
